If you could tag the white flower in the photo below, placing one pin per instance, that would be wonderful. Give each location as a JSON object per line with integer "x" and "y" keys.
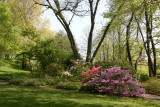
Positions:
{"x": 66, "y": 73}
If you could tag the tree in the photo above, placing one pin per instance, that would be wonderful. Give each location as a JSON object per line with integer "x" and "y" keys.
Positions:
{"x": 26, "y": 14}
{"x": 9, "y": 39}
{"x": 150, "y": 9}
{"x": 69, "y": 5}
{"x": 58, "y": 8}
{"x": 93, "y": 11}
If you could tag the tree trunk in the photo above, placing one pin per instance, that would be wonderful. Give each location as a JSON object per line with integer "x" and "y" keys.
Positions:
{"x": 65, "y": 25}
{"x": 127, "y": 39}
{"x": 153, "y": 45}
{"x": 93, "y": 15}
{"x": 31, "y": 66}
{"x": 72, "y": 42}
{"x": 119, "y": 44}
{"x": 151, "y": 65}
{"x": 137, "y": 60}
{"x": 24, "y": 62}
{"x": 6, "y": 57}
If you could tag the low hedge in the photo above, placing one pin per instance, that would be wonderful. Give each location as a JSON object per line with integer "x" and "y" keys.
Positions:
{"x": 69, "y": 85}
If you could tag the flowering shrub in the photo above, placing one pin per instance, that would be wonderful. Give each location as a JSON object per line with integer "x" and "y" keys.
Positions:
{"x": 86, "y": 76}
{"x": 115, "y": 81}
{"x": 66, "y": 73}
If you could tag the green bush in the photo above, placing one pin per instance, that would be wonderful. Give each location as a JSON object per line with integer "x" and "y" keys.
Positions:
{"x": 58, "y": 79}
{"x": 50, "y": 82}
{"x": 152, "y": 86}
{"x": 54, "y": 69}
{"x": 144, "y": 77}
{"x": 78, "y": 68}
{"x": 34, "y": 82}
{"x": 75, "y": 78}
{"x": 6, "y": 77}
{"x": 17, "y": 81}
{"x": 115, "y": 63}
{"x": 69, "y": 85}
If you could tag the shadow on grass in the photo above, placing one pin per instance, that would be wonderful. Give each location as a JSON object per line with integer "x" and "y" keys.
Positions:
{"x": 13, "y": 96}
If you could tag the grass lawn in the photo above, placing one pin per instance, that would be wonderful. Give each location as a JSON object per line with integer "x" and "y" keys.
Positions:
{"x": 16, "y": 96}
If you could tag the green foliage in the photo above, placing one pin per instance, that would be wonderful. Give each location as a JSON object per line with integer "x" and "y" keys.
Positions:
{"x": 32, "y": 82}
{"x": 47, "y": 52}
{"x": 31, "y": 33}
{"x": 5, "y": 77}
{"x": 9, "y": 40}
{"x": 144, "y": 77}
{"x": 115, "y": 63}
{"x": 77, "y": 69}
{"x": 50, "y": 82}
{"x": 76, "y": 78}
{"x": 17, "y": 81}
{"x": 69, "y": 85}
{"x": 54, "y": 69}
{"x": 35, "y": 82}
{"x": 152, "y": 86}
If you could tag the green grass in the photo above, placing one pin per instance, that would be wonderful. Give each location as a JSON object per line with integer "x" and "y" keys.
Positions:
{"x": 9, "y": 70}
{"x": 7, "y": 67}
{"x": 14, "y": 96}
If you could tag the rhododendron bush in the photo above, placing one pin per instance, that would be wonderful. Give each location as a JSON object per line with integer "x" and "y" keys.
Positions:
{"x": 115, "y": 81}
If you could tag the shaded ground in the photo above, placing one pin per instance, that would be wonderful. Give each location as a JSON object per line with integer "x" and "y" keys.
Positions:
{"x": 16, "y": 96}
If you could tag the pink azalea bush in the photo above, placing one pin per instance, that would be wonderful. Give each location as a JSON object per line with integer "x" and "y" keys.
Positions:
{"x": 86, "y": 76}
{"x": 115, "y": 81}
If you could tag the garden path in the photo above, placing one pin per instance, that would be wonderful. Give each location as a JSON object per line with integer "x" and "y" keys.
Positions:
{"x": 4, "y": 83}
{"x": 153, "y": 97}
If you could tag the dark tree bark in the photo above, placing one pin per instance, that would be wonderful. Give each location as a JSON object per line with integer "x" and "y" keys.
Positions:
{"x": 93, "y": 11}
{"x": 119, "y": 43}
{"x": 127, "y": 39}
{"x": 151, "y": 65}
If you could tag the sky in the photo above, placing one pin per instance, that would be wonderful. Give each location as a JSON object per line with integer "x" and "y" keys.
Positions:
{"x": 79, "y": 26}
